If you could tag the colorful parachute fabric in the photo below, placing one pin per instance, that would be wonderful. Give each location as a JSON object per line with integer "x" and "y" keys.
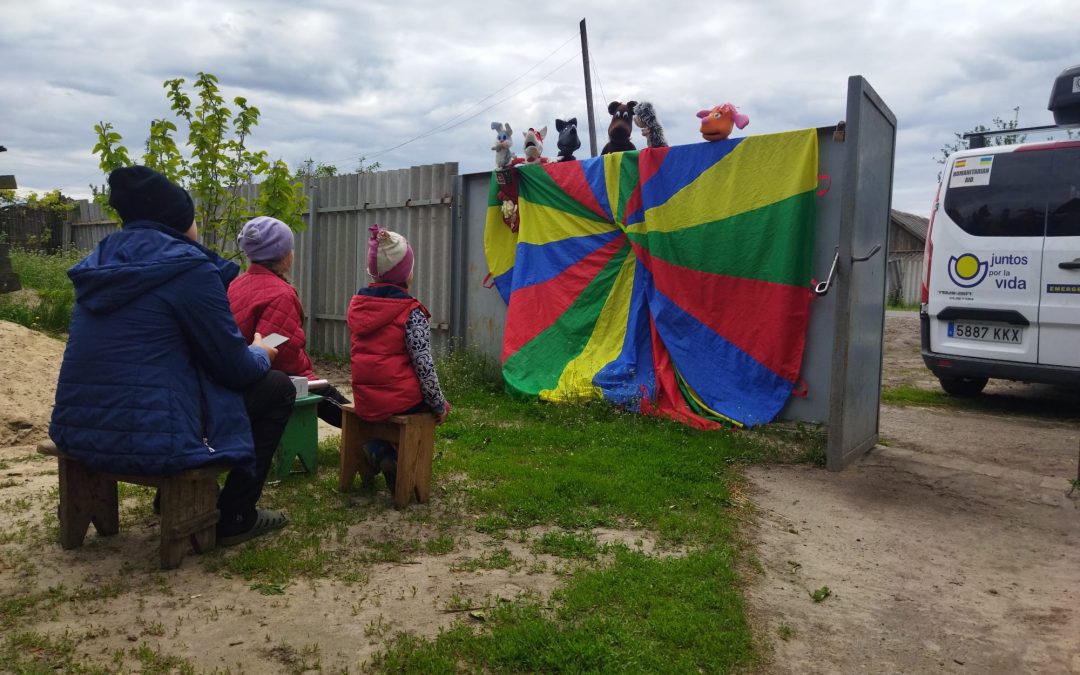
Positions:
{"x": 671, "y": 281}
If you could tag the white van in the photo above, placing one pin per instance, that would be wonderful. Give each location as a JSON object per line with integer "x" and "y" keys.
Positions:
{"x": 1001, "y": 289}
{"x": 1001, "y": 277}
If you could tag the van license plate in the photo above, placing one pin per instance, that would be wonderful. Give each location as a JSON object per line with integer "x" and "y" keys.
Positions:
{"x": 984, "y": 333}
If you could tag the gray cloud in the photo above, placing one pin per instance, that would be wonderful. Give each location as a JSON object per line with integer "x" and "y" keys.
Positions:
{"x": 337, "y": 80}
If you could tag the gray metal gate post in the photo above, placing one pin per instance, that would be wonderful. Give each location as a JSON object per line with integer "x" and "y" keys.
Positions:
{"x": 860, "y": 301}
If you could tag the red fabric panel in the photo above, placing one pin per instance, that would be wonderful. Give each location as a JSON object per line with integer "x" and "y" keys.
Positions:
{"x": 545, "y": 302}
{"x": 649, "y": 161}
{"x": 570, "y": 178}
{"x": 764, "y": 319}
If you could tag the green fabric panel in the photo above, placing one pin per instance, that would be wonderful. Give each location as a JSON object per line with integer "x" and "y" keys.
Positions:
{"x": 773, "y": 243}
{"x": 536, "y": 185}
{"x": 539, "y": 364}
{"x": 628, "y": 182}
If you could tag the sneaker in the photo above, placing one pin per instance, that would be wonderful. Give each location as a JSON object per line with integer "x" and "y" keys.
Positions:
{"x": 266, "y": 521}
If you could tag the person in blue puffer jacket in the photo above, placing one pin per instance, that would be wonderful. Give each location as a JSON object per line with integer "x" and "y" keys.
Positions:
{"x": 156, "y": 377}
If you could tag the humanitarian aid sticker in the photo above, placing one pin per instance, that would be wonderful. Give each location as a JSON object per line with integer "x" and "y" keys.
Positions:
{"x": 971, "y": 171}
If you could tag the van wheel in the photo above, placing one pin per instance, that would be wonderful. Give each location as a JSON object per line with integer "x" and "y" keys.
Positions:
{"x": 963, "y": 387}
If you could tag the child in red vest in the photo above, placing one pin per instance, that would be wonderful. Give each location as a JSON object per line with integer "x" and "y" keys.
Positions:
{"x": 392, "y": 369}
{"x": 264, "y": 301}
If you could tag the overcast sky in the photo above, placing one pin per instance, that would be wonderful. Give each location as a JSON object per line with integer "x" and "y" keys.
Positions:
{"x": 338, "y": 80}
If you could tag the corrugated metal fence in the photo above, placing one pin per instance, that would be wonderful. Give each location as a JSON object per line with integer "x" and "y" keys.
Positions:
{"x": 331, "y": 254}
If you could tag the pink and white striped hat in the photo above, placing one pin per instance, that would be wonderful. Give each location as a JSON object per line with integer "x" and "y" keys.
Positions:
{"x": 390, "y": 257}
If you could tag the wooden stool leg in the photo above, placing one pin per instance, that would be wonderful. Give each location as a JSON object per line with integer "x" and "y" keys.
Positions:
{"x": 424, "y": 458}
{"x": 85, "y": 497}
{"x": 206, "y": 495}
{"x": 408, "y": 453}
{"x": 189, "y": 517}
{"x": 176, "y": 497}
{"x": 353, "y": 459}
{"x": 351, "y": 451}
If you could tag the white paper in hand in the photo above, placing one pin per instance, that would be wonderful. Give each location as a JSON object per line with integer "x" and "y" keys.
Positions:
{"x": 274, "y": 340}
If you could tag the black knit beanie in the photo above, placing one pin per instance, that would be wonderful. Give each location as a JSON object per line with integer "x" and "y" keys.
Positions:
{"x": 140, "y": 193}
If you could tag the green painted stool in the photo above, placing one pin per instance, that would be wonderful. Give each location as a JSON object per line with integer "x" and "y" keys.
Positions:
{"x": 301, "y": 438}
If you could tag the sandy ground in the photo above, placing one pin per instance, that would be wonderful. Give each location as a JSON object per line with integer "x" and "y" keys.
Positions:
{"x": 952, "y": 547}
{"x": 29, "y": 366}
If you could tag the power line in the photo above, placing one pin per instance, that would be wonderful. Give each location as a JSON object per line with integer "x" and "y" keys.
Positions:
{"x": 596, "y": 72}
{"x": 449, "y": 124}
{"x": 479, "y": 112}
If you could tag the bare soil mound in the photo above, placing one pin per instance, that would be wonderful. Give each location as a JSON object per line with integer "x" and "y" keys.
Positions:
{"x": 29, "y": 366}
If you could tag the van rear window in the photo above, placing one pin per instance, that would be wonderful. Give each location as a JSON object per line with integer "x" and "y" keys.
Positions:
{"x": 1013, "y": 204}
{"x": 1063, "y": 199}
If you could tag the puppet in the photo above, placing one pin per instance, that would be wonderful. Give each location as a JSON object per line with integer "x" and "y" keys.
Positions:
{"x": 645, "y": 119}
{"x": 568, "y": 139}
{"x": 503, "y": 141}
{"x": 620, "y": 127}
{"x": 717, "y": 123}
{"x": 533, "y": 148}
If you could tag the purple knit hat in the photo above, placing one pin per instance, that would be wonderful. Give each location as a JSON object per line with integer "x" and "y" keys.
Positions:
{"x": 265, "y": 239}
{"x": 390, "y": 257}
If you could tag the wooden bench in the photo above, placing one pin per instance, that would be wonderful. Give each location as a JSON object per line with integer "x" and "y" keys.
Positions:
{"x": 414, "y": 436}
{"x": 189, "y": 512}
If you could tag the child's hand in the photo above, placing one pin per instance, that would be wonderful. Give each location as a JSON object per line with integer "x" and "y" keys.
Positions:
{"x": 270, "y": 351}
{"x": 439, "y": 419}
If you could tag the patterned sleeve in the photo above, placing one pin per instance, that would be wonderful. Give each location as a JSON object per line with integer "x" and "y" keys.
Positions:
{"x": 418, "y": 342}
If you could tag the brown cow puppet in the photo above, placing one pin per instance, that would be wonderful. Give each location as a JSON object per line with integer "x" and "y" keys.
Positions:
{"x": 621, "y": 125}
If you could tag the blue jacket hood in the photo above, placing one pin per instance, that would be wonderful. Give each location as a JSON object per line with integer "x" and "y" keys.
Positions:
{"x": 136, "y": 260}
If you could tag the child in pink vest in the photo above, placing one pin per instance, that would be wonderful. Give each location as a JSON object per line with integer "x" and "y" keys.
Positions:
{"x": 393, "y": 372}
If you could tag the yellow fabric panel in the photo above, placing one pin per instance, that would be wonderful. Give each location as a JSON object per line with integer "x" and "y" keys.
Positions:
{"x": 544, "y": 224}
{"x": 612, "y": 177}
{"x": 603, "y": 346}
{"x": 500, "y": 243}
{"x": 761, "y": 170}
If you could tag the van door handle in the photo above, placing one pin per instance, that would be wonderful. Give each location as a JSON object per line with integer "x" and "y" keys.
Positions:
{"x": 1074, "y": 265}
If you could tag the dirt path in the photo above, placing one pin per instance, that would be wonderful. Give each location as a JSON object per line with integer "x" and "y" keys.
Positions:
{"x": 953, "y": 548}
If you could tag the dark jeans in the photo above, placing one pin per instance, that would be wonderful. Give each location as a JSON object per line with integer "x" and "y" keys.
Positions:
{"x": 269, "y": 404}
{"x": 330, "y": 407}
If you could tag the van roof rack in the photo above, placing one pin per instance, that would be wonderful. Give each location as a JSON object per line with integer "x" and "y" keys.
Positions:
{"x": 1064, "y": 104}
{"x": 977, "y": 139}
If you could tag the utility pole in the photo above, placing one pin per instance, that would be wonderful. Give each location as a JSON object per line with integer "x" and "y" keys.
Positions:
{"x": 588, "y": 88}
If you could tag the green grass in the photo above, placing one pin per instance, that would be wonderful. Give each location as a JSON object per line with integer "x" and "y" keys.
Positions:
{"x": 576, "y": 468}
{"x": 906, "y": 394}
{"x": 30, "y": 652}
{"x": 568, "y": 545}
{"x": 46, "y": 274}
{"x": 505, "y": 465}
{"x": 636, "y": 615}
{"x": 903, "y": 307}
{"x": 1048, "y": 401}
